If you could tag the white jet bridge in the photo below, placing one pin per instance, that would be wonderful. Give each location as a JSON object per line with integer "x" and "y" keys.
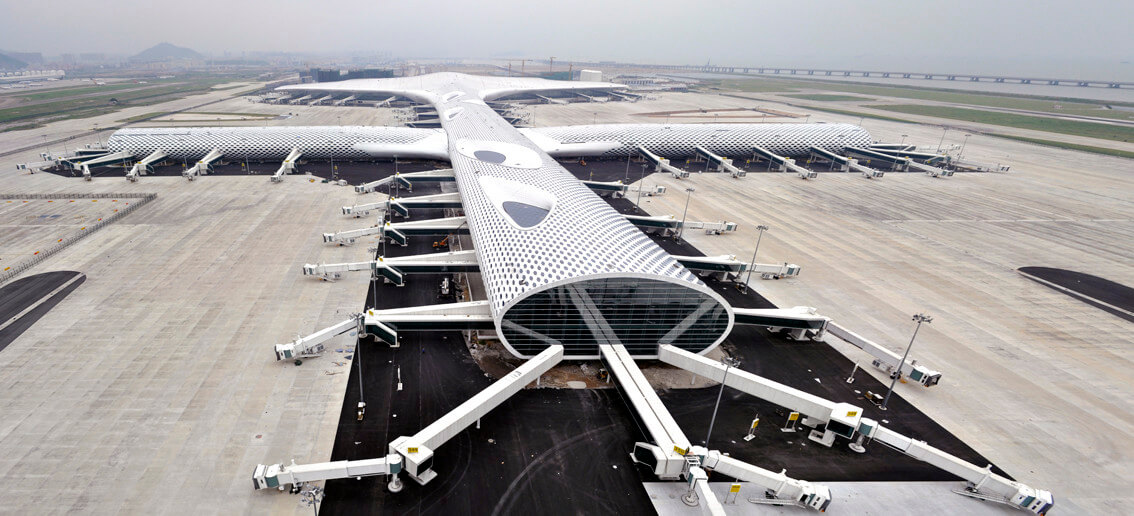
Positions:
{"x": 399, "y": 232}
{"x": 845, "y": 164}
{"x": 846, "y": 421}
{"x": 288, "y": 165}
{"x": 144, "y": 166}
{"x": 784, "y": 163}
{"x": 661, "y": 164}
{"x": 385, "y": 324}
{"x": 408, "y": 179}
{"x": 413, "y": 454}
{"x": 885, "y": 359}
{"x": 204, "y": 166}
{"x": 723, "y": 164}
{"x": 671, "y": 456}
{"x": 393, "y": 270}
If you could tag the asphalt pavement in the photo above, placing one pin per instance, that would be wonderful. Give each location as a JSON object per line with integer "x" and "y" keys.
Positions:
{"x": 23, "y": 293}
{"x": 562, "y": 451}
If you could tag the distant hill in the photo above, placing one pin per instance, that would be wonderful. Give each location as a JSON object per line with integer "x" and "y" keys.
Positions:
{"x": 166, "y": 52}
{"x": 11, "y": 63}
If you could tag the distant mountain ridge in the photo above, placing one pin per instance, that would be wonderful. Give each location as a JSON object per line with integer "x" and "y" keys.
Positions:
{"x": 166, "y": 52}
{"x": 11, "y": 63}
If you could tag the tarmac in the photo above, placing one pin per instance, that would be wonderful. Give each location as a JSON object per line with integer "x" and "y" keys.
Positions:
{"x": 152, "y": 385}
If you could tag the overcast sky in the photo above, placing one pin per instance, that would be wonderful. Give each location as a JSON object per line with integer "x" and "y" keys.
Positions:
{"x": 956, "y": 33}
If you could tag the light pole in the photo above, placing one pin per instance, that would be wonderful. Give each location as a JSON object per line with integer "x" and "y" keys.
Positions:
{"x": 641, "y": 185}
{"x": 627, "y": 168}
{"x": 919, "y": 318}
{"x": 963, "y": 143}
{"x": 761, "y": 228}
{"x": 728, "y": 362}
{"x": 312, "y": 497}
{"x": 688, "y": 195}
{"x": 594, "y": 119}
{"x": 942, "y": 142}
{"x": 904, "y": 138}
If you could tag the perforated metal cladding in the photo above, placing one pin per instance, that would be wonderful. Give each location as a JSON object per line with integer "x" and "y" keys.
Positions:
{"x": 736, "y": 140}
{"x": 671, "y": 141}
{"x": 262, "y": 143}
{"x": 583, "y": 236}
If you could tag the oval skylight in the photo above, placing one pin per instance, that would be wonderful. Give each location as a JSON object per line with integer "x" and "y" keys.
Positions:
{"x": 522, "y": 205}
{"x": 524, "y": 215}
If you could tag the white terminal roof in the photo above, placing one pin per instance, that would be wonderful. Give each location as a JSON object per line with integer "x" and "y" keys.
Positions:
{"x": 534, "y": 225}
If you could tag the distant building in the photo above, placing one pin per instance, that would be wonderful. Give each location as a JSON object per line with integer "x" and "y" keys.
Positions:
{"x": 327, "y": 75}
{"x": 590, "y": 75}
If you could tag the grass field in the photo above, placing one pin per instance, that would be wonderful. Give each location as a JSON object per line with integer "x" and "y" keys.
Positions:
{"x": 98, "y": 104}
{"x": 824, "y": 97}
{"x": 753, "y": 85}
{"x": 1072, "y": 146}
{"x": 1045, "y": 104}
{"x": 84, "y": 90}
{"x": 1036, "y": 123}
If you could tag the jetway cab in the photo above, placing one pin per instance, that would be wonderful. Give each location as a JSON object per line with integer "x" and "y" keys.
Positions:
{"x": 843, "y": 422}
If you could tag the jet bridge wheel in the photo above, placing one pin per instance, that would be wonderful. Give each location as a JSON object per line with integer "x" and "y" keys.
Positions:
{"x": 298, "y": 362}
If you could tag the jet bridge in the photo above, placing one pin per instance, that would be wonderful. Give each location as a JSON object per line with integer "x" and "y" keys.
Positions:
{"x": 727, "y": 265}
{"x": 403, "y": 205}
{"x": 723, "y": 164}
{"x": 885, "y": 359}
{"x": 299, "y": 100}
{"x": 896, "y": 163}
{"x": 384, "y": 324}
{"x": 931, "y": 170}
{"x": 103, "y": 160}
{"x": 799, "y": 322}
{"x": 784, "y": 163}
{"x": 671, "y": 456}
{"x": 288, "y": 165}
{"x": 846, "y": 421}
{"x": 606, "y": 189}
{"x": 668, "y": 224}
{"x": 143, "y": 167}
{"x": 399, "y": 232}
{"x": 344, "y": 100}
{"x": 408, "y": 179}
{"x": 394, "y": 270}
{"x": 320, "y": 100}
{"x": 661, "y": 164}
{"x": 414, "y": 454}
{"x": 845, "y": 164}
{"x": 204, "y": 166}
{"x": 928, "y": 158}
{"x": 417, "y": 450}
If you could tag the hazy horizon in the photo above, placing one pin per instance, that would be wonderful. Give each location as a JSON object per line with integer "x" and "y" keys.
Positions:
{"x": 1086, "y": 38}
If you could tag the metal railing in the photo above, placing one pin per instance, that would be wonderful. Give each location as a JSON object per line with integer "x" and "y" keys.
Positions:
{"x": 22, "y": 266}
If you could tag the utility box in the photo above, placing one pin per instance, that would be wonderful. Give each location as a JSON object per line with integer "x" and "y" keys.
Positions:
{"x": 590, "y": 75}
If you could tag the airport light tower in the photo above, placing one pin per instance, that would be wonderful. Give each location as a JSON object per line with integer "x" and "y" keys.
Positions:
{"x": 919, "y": 318}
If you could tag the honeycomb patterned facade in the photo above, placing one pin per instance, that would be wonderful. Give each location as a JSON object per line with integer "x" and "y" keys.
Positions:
{"x": 263, "y": 143}
{"x": 732, "y": 140}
